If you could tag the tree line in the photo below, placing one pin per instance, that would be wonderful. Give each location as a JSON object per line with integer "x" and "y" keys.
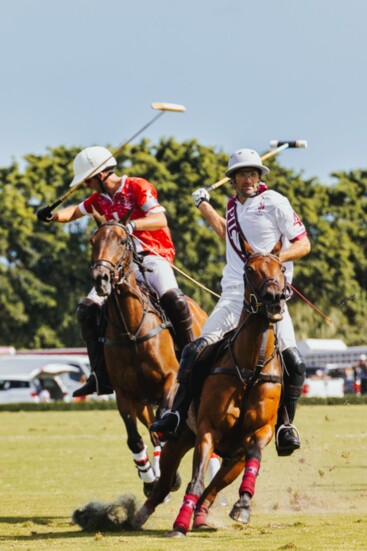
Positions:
{"x": 44, "y": 268}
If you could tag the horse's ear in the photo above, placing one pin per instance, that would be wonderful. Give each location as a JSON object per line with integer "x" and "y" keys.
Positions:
{"x": 126, "y": 218}
{"x": 97, "y": 217}
{"x": 246, "y": 248}
{"x": 277, "y": 248}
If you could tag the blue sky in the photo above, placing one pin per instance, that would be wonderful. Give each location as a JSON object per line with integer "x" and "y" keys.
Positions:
{"x": 83, "y": 72}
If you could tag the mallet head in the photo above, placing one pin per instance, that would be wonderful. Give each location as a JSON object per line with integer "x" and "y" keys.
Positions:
{"x": 291, "y": 143}
{"x": 162, "y": 106}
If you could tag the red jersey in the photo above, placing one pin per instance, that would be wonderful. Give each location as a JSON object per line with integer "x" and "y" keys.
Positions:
{"x": 141, "y": 196}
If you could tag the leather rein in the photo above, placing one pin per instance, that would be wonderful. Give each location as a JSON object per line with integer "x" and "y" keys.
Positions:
{"x": 119, "y": 274}
{"x": 254, "y": 305}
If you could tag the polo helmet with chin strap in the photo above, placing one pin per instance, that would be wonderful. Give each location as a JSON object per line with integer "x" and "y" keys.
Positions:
{"x": 90, "y": 162}
{"x": 245, "y": 158}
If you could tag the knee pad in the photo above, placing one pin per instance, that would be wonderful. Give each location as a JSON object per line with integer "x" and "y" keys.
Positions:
{"x": 177, "y": 308}
{"x": 295, "y": 369}
{"x": 87, "y": 314}
{"x": 190, "y": 354}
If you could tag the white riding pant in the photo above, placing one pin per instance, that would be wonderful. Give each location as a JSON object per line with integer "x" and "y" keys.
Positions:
{"x": 226, "y": 316}
{"x": 161, "y": 277}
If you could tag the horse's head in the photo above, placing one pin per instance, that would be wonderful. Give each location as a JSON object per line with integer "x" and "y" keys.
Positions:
{"x": 111, "y": 256}
{"x": 265, "y": 283}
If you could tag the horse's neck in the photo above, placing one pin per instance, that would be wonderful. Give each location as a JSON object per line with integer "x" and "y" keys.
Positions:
{"x": 249, "y": 341}
{"x": 131, "y": 304}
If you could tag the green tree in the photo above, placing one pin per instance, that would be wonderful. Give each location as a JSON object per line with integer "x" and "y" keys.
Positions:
{"x": 44, "y": 268}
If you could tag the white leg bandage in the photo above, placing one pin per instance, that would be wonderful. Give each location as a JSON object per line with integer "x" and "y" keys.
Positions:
{"x": 143, "y": 465}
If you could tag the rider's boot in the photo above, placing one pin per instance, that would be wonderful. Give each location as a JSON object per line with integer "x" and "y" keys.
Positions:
{"x": 177, "y": 309}
{"x": 88, "y": 316}
{"x": 287, "y": 438}
{"x": 173, "y": 420}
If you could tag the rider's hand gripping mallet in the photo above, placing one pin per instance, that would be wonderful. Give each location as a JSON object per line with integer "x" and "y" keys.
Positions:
{"x": 160, "y": 106}
{"x": 280, "y": 145}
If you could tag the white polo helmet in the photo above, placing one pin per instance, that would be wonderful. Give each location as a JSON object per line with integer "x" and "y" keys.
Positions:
{"x": 363, "y": 357}
{"x": 245, "y": 158}
{"x": 90, "y": 162}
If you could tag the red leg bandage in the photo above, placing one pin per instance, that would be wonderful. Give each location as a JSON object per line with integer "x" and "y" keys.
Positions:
{"x": 184, "y": 517}
{"x": 201, "y": 517}
{"x": 249, "y": 478}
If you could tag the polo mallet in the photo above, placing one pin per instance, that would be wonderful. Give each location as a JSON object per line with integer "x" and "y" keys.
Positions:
{"x": 279, "y": 145}
{"x": 162, "y": 107}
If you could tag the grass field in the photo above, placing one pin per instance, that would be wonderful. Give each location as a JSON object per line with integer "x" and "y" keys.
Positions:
{"x": 54, "y": 462}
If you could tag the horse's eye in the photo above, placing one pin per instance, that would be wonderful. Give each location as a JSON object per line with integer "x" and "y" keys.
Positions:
{"x": 123, "y": 241}
{"x": 283, "y": 269}
{"x": 249, "y": 269}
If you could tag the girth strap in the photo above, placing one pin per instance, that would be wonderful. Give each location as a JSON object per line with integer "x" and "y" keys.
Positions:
{"x": 247, "y": 374}
{"x": 129, "y": 338}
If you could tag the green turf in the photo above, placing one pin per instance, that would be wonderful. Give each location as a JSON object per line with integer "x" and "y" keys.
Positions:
{"x": 53, "y": 462}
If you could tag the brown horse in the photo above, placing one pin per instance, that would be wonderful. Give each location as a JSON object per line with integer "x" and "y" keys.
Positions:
{"x": 138, "y": 345}
{"x": 239, "y": 403}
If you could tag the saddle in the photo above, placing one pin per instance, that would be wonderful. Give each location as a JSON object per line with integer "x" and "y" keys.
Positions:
{"x": 203, "y": 366}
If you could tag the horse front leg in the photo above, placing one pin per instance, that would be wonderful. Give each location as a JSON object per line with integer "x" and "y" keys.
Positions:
{"x": 172, "y": 453}
{"x": 203, "y": 449}
{"x": 241, "y": 510}
{"x": 128, "y": 412}
{"x": 227, "y": 473}
{"x": 146, "y": 416}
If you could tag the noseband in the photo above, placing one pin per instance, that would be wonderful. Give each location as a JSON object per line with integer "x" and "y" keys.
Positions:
{"x": 257, "y": 301}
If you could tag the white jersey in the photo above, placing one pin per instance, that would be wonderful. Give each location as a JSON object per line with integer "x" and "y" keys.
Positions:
{"x": 263, "y": 219}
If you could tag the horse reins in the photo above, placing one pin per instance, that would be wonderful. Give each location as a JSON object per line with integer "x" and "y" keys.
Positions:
{"x": 117, "y": 280}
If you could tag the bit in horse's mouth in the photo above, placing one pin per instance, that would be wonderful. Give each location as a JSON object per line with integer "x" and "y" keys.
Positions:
{"x": 275, "y": 312}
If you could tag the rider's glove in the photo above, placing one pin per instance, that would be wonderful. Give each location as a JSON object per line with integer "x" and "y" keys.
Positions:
{"x": 200, "y": 195}
{"x": 45, "y": 214}
{"x": 130, "y": 227}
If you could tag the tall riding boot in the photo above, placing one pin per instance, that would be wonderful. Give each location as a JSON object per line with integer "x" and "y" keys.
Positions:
{"x": 88, "y": 313}
{"x": 287, "y": 436}
{"x": 178, "y": 312}
{"x": 174, "y": 419}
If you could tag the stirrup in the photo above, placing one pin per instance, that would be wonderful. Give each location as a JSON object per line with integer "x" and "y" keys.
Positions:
{"x": 295, "y": 433}
{"x": 156, "y": 428}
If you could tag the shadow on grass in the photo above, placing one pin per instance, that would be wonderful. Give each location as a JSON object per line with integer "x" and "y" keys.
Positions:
{"x": 35, "y": 522}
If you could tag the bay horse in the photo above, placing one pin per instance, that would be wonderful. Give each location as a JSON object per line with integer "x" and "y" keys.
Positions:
{"x": 239, "y": 402}
{"x": 138, "y": 346}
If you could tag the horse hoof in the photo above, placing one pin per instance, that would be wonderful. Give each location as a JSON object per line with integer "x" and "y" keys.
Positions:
{"x": 174, "y": 534}
{"x": 240, "y": 514}
{"x": 141, "y": 517}
{"x": 177, "y": 483}
{"x": 204, "y": 528}
{"x": 149, "y": 487}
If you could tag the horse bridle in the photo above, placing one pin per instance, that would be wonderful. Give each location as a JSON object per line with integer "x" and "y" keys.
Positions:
{"x": 119, "y": 271}
{"x": 256, "y": 304}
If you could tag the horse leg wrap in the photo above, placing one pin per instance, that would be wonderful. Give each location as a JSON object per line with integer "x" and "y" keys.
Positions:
{"x": 249, "y": 478}
{"x": 143, "y": 465}
{"x": 156, "y": 459}
{"x": 183, "y": 520}
{"x": 201, "y": 516}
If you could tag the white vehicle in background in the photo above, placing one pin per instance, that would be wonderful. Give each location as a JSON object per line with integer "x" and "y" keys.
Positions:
{"x": 42, "y": 384}
{"x": 320, "y": 384}
{"x": 25, "y": 363}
